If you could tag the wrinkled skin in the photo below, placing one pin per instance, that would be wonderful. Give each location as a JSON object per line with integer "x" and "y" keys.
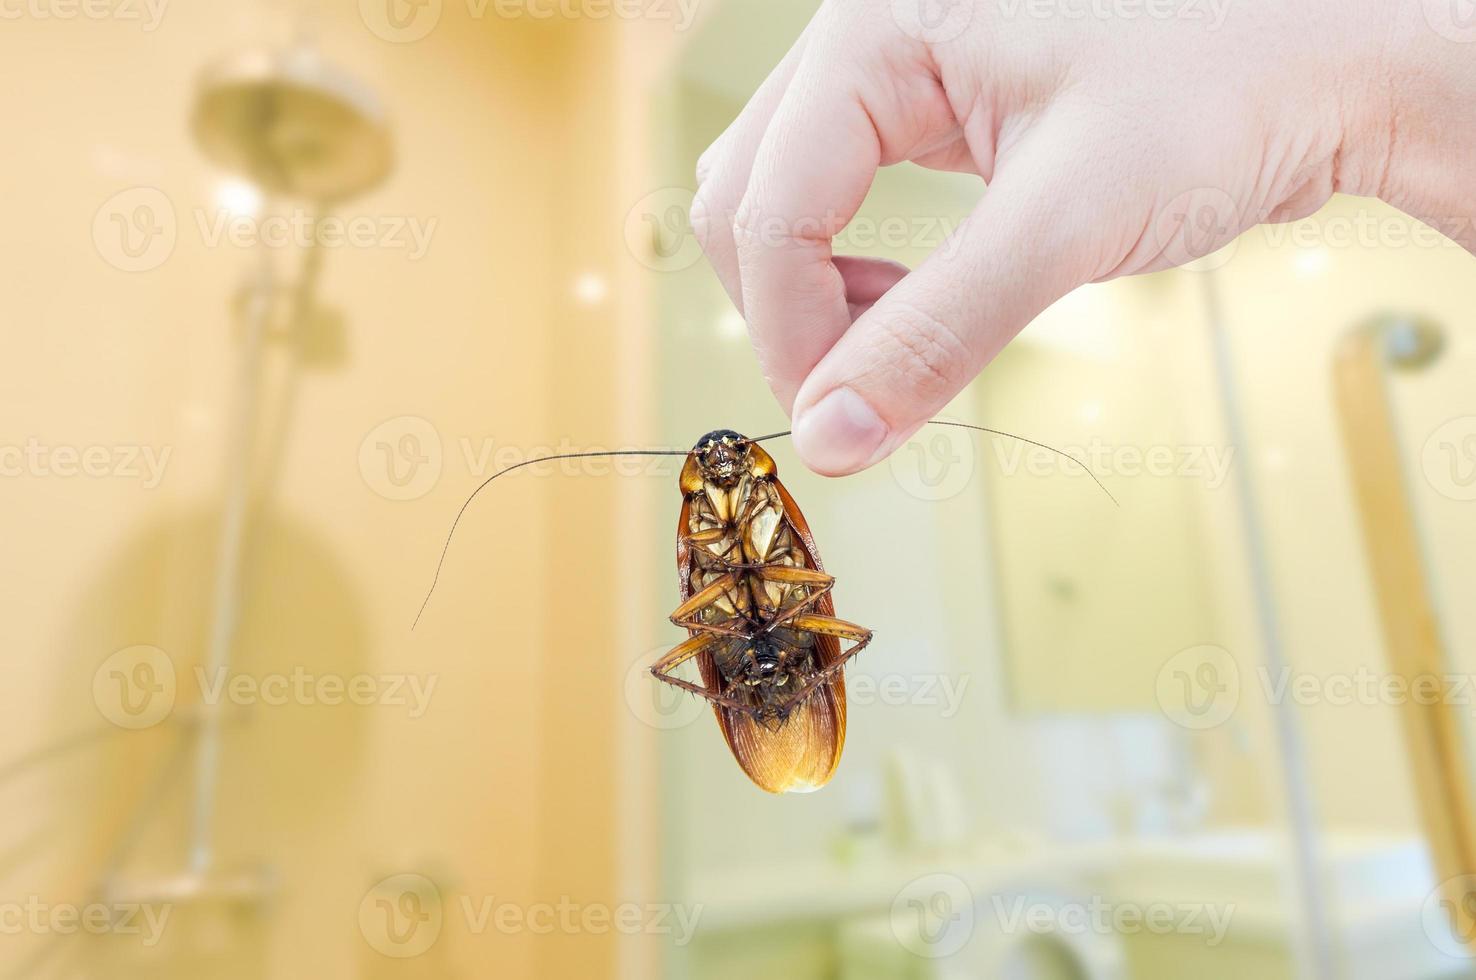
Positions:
{"x": 1116, "y": 138}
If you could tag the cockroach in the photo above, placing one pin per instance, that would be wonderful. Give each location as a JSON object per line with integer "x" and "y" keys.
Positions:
{"x": 760, "y": 619}
{"x": 757, "y": 607}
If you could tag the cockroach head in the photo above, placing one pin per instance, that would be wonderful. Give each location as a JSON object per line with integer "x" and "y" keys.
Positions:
{"x": 722, "y": 455}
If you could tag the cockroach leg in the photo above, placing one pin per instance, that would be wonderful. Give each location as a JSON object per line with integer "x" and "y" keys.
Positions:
{"x": 685, "y": 614}
{"x": 701, "y": 539}
{"x": 819, "y": 582}
{"x": 793, "y": 574}
{"x": 679, "y": 655}
{"x": 827, "y": 626}
{"x": 830, "y": 626}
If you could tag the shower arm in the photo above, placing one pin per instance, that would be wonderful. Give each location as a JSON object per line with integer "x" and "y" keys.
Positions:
{"x": 228, "y": 593}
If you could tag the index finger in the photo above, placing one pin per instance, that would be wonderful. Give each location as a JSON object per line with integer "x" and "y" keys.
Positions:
{"x": 814, "y": 166}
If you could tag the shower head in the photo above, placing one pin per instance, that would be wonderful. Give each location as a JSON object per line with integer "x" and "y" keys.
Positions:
{"x": 1410, "y": 343}
{"x": 292, "y": 125}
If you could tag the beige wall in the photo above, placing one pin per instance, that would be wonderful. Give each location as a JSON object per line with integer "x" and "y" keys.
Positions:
{"x": 506, "y": 137}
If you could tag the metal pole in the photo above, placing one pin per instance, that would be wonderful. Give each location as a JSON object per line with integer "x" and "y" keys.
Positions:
{"x": 226, "y": 602}
{"x": 1314, "y": 945}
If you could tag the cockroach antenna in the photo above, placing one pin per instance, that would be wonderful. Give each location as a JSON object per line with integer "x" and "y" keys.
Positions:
{"x": 993, "y": 432}
{"x": 503, "y": 472}
{"x": 678, "y": 452}
{"x": 1059, "y": 452}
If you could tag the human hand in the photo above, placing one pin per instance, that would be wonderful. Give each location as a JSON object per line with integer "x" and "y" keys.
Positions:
{"x": 1111, "y": 145}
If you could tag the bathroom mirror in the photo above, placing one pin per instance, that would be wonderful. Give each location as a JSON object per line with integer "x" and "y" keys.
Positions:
{"x": 1114, "y": 380}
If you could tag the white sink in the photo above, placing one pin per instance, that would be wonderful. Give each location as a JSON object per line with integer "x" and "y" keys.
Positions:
{"x": 1251, "y": 866}
{"x": 1375, "y": 887}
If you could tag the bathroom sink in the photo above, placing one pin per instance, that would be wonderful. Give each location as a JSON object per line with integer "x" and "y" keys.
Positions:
{"x": 1374, "y": 886}
{"x": 743, "y": 897}
{"x": 1250, "y": 867}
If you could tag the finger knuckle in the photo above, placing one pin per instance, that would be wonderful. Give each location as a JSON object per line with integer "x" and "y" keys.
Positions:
{"x": 757, "y": 226}
{"x": 928, "y": 350}
{"x": 706, "y": 162}
{"x": 699, "y": 217}
{"x": 748, "y": 224}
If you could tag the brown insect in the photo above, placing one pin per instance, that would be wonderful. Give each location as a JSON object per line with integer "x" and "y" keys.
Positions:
{"x": 761, "y": 622}
{"x": 756, "y": 603}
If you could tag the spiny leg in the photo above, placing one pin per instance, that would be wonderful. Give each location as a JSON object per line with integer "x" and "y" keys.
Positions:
{"x": 830, "y": 626}
{"x": 684, "y": 614}
{"x": 820, "y": 582}
{"x": 795, "y": 575}
{"x": 700, "y": 541}
{"x": 826, "y": 626}
{"x": 679, "y": 655}
{"x": 682, "y": 652}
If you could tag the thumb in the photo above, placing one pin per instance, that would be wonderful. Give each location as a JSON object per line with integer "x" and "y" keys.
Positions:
{"x": 1040, "y": 231}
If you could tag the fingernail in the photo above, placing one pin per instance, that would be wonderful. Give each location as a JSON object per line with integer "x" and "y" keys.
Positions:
{"x": 839, "y": 434}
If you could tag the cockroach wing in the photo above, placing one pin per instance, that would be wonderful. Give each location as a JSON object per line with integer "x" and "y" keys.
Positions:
{"x": 800, "y": 755}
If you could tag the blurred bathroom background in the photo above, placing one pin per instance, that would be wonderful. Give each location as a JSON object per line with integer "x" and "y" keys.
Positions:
{"x": 286, "y": 281}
